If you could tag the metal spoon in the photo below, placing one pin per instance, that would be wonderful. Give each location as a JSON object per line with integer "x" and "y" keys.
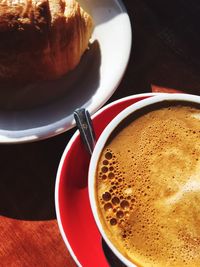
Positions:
{"x": 85, "y": 126}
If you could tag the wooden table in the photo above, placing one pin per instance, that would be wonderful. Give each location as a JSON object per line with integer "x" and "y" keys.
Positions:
{"x": 165, "y": 52}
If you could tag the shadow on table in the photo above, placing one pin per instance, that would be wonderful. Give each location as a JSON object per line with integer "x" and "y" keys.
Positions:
{"x": 27, "y": 182}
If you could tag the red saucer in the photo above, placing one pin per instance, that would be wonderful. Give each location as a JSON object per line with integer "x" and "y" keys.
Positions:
{"x": 74, "y": 214}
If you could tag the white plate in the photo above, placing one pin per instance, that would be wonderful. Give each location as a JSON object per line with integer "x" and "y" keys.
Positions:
{"x": 45, "y": 109}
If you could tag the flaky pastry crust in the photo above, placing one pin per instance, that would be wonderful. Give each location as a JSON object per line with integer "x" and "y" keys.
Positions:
{"x": 41, "y": 39}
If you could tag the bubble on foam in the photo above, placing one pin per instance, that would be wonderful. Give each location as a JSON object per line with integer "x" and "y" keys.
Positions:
{"x": 108, "y": 155}
{"x": 124, "y": 204}
{"x": 105, "y": 162}
{"x": 104, "y": 169}
{"x": 120, "y": 214}
{"x": 111, "y": 175}
{"x": 113, "y": 221}
{"x": 115, "y": 200}
{"x": 108, "y": 207}
{"x": 104, "y": 176}
{"x": 106, "y": 196}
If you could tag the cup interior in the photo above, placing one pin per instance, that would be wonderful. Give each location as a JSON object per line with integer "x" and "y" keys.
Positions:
{"x": 134, "y": 108}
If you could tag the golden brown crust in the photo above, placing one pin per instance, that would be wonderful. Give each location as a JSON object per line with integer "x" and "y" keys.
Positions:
{"x": 41, "y": 39}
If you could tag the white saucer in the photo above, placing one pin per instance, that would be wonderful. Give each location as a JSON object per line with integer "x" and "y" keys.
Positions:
{"x": 46, "y": 109}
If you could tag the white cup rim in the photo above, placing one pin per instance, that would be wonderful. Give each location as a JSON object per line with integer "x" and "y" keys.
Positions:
{"x": 102, "y": 141}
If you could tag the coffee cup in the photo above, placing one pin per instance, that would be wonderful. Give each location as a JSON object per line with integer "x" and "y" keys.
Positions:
{"x": 144, "y": 182}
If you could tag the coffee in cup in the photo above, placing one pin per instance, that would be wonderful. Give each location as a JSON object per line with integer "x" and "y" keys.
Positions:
{"x": 147, "y": 183}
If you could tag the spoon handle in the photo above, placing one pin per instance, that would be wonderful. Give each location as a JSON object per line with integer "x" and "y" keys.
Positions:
{"x": 85, "y": 126}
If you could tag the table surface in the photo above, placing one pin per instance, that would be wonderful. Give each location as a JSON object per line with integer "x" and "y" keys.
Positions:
{"x": 165, "y": 53}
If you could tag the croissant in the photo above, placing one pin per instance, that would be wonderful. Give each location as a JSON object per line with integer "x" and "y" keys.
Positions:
{"x": 41, "y": 39}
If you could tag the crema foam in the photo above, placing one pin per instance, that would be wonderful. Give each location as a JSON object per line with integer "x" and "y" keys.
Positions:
{"x": 148, "y": 187}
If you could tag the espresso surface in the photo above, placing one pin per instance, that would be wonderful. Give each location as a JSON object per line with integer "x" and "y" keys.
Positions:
{"x": 148, "y": 188}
